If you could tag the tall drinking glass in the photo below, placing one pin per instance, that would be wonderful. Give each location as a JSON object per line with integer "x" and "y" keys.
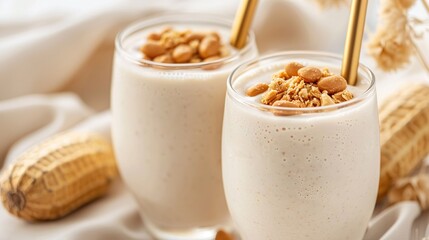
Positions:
{"x": 312, "y": 174}
{"x": 167, "y": 124}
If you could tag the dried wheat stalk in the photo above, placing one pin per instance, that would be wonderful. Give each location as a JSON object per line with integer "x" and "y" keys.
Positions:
{"x": 332, "y": 3}
{"x": 392, "y": 45}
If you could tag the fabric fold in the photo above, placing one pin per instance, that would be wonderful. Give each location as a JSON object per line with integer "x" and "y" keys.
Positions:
{"x": 28, "y": 120}
{"x": 67, "y": 49}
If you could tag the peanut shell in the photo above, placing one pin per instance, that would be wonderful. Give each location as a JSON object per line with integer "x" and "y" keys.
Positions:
{"x": 58, "y": 176}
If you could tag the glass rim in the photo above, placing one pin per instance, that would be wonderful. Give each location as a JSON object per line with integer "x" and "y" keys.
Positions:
{"x": 179, "y": 18}
{"x": 231, "y": 91}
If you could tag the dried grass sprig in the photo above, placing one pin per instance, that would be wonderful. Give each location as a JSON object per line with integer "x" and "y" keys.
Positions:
{"x": 392, "y": 45}
{"x": 414, "y": 188}
{"x": 426, "y": 5}
{"x": 332, "y": 3}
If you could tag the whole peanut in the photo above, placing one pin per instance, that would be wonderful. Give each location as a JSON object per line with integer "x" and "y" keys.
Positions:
{"x": 165, "y": 58}
{"x": 292, "y": 68}
{"x": 209, "y": 47}
{"x": 182, "y": 53}
{"x": 310, "y": 74}
{"x": 257, "y": 89}
{"x": 284, "y": 103}
{"x": 153, "y": 49}
{"x": 332, "y": 84}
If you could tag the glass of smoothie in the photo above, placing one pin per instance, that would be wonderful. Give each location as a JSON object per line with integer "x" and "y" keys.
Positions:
{"x": 300, "y": 150}
{"x": 168, "y": 94}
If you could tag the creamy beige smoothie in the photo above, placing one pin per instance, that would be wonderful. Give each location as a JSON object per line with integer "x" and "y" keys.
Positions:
{"x": 167, "y": 124}
{"x": 310, "y": 173}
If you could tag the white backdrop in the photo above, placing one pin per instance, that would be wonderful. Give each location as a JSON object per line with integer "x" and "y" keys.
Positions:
{"x": 55, "y": 63}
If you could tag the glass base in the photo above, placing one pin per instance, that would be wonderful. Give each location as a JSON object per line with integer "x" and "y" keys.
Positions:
{"x": 171, "y": 234}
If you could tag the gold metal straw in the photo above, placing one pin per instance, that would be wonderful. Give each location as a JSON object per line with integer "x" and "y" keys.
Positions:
{"x": 242, "y": 22}
{"x": 353, "y": 44}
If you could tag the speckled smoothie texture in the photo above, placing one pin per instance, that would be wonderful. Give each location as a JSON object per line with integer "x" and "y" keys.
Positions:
{"x": 307, "y": 176}
{"x": 167, "y": 126}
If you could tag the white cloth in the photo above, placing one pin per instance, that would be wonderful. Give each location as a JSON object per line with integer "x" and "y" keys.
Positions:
{"x": 55, "y": 65}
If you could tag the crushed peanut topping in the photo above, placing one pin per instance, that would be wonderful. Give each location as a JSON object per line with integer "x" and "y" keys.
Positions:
{"x": 300, "y": 86}
{"x": 174, "y": 46}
